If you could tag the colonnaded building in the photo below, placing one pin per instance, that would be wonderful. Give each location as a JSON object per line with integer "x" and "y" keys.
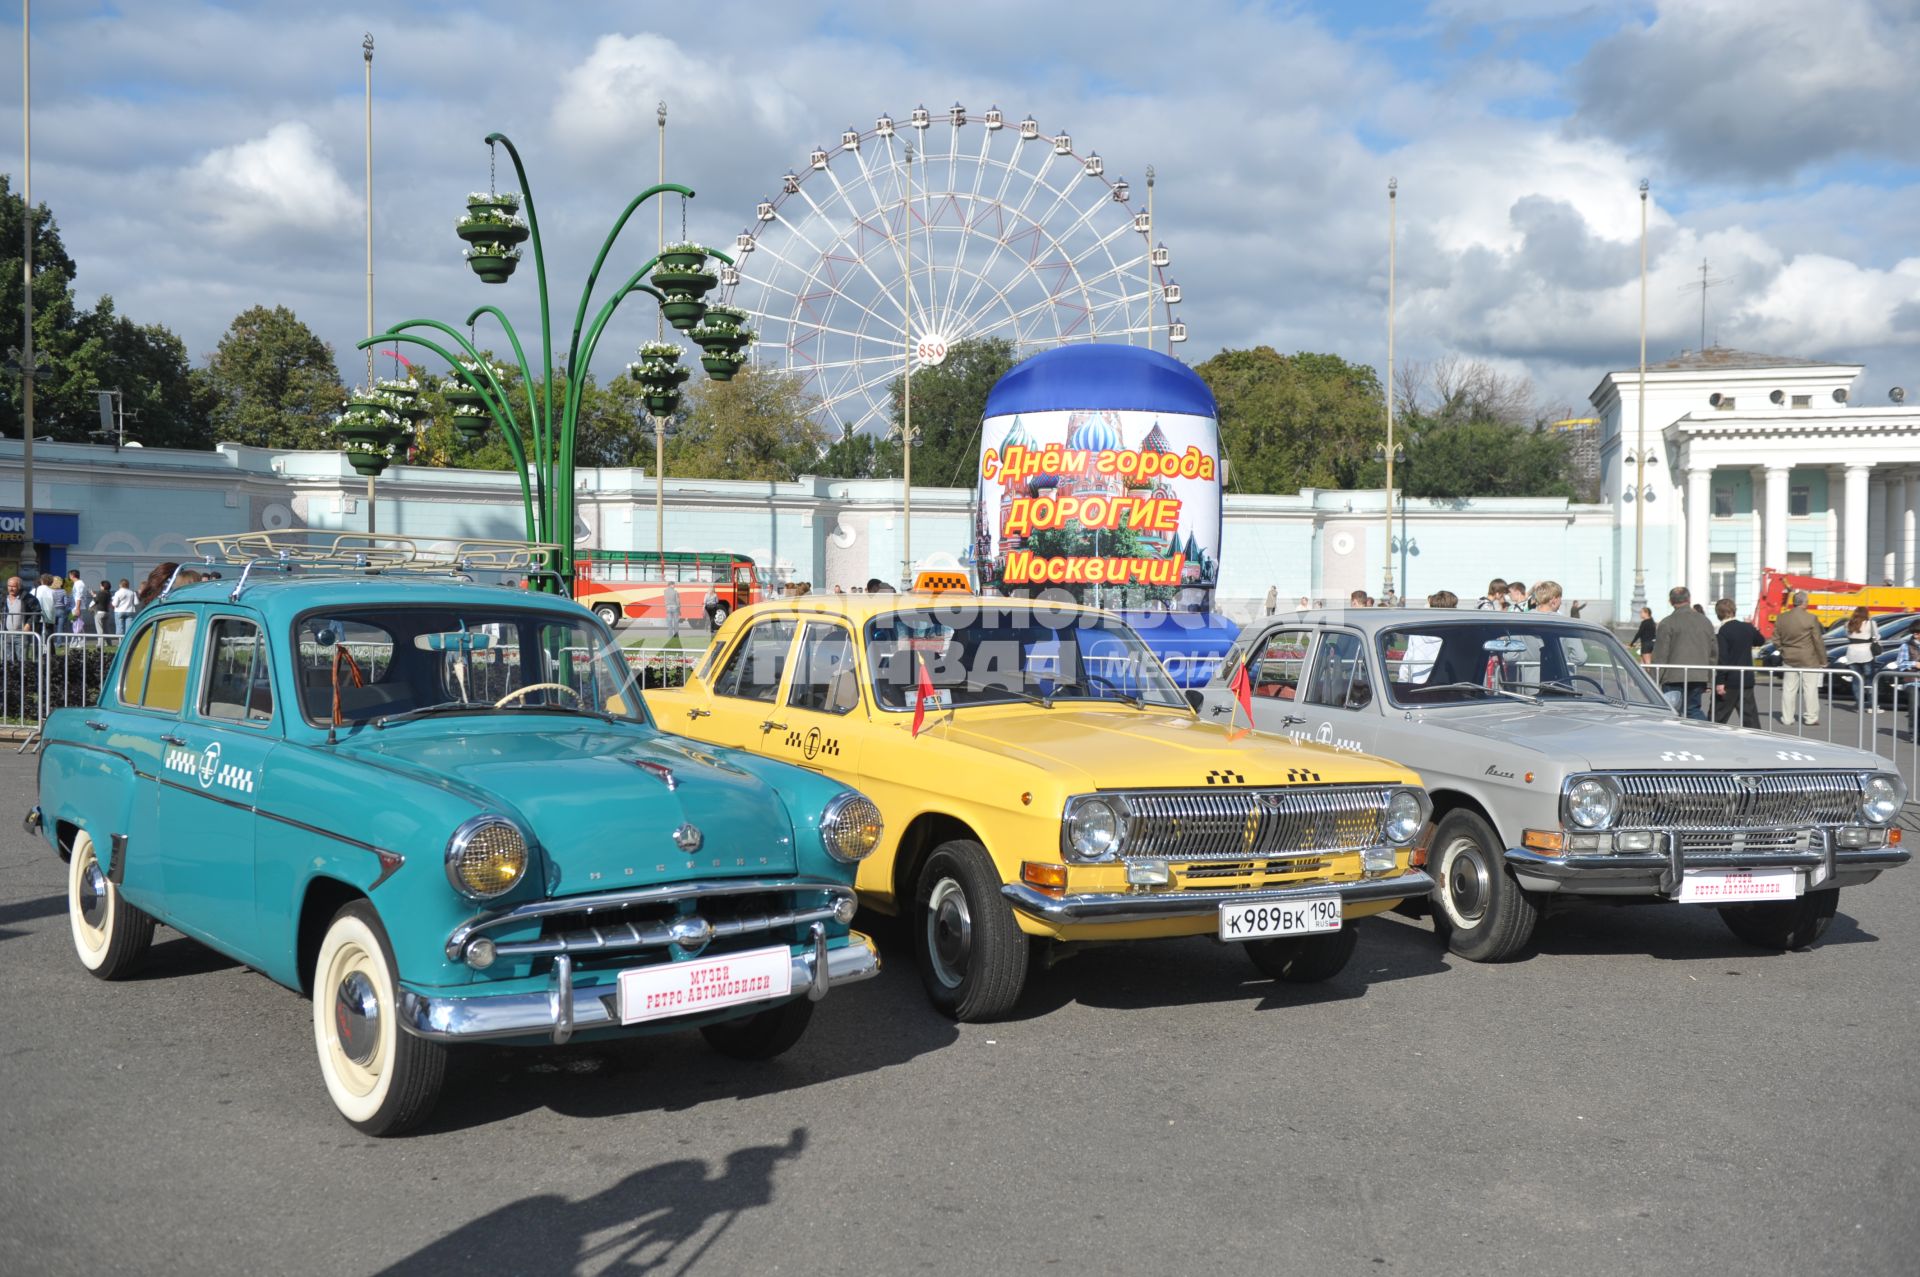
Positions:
{"x": 1750, "y": 461}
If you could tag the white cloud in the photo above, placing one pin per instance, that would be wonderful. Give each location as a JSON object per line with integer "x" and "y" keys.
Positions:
{"x": 610, "y": 97}
{"x": 283, "y": 180}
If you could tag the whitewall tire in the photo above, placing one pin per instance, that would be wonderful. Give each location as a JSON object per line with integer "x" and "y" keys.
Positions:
{"x": 381, "y": 1078}
{"x": 110, "y": 935}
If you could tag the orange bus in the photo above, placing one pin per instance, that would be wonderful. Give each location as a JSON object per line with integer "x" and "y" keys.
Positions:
{"x": 617, "y": 584}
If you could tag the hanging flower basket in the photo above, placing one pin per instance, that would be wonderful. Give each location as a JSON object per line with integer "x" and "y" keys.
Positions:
{"x": 725, "y": 317}
{"x": 663, "y": 375}
{"x": 493, "y": 262}
{"x": 721, "y": 367}
{"x": 683, "y": 313}
{"x": 683, "y": 256}
{"x": 470, "y": 423}
{"x": 689, "y": 283}
{"x": 664, "y": 403}
{"x": 370, "y": 464}
{"x": 719, "y": 340}
{"x": 490, "y": 229}
{"x": 502, "y": 204}
{"x": 368, "y": 423}
{"x": 402, "y": 398}
{"x": 459, "y": 394}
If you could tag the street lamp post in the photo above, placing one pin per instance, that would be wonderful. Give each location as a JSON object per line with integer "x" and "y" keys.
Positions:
{"x": 1640, "y": 447}
{"x": 1393, "y": 206}
{"x": 542, "y": 444}
{"x": 906, "y": 398}
{"x": 29, "y": 565}
{"x": 1393, "y": 455}
{"x": 366, "y": 49}
{"x": 660, "y": 334}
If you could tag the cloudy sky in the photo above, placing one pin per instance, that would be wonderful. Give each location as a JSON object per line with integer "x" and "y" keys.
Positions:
{"x": 204, "y": 157}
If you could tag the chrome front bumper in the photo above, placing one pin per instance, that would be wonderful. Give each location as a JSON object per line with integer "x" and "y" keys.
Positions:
{"x": 1659, "y": 872}
{"x": 1157, "y": 906}
{"x": 562, "y": 1010}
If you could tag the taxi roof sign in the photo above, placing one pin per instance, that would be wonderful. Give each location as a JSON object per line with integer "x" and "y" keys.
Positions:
{"x": 942, "y": 582}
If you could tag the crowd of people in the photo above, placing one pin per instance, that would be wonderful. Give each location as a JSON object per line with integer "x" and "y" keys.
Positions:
{"x": 71, "y": 604}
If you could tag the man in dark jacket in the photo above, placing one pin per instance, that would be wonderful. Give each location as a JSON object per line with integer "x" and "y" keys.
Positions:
{"x": 1683, "y": 645}
{"x": 1736, "y": 642}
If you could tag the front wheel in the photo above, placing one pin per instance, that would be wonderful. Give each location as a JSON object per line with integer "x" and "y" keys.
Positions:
{"x": 383, "y": 1079}
{"x": 1783, "y": 925}
{"x": 971, "y": 953}
{"x": 718, "y": 618}
{"x": 608, "y": 614}
{"x": 1304, "y": 959}
{"x": 110, "y": 935}
{"x": 1478, "y": 908}
{"x": 761, "y": 1036}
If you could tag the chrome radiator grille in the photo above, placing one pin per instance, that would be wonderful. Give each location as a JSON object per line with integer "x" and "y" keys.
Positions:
{"x": 1243, "y": 824}
{"x": 1737, "y": 800}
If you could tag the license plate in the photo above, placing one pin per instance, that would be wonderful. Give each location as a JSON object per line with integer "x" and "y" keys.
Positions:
{"x": 1314, "y": 916}
{"x": 1730, "y": 886}
{"x": 689, "y": 988}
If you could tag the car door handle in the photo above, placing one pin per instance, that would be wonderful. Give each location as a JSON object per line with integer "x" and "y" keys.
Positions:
{"x": 96, "y": 725}
{"x": 699, "y": 713}
{"x": 1221, "y": 709}
{"x": 174, "y": 740}
{"x": 1290, "y": 720}
{"x": 771, "y": 726}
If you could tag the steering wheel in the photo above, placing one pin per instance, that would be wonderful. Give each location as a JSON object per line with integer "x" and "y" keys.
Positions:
{"x": 1587, "y": 678}
{"x": 518, "y": 692}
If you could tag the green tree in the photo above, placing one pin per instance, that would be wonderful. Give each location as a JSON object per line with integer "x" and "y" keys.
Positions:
{"x": 857, "y": 455}
{"x": 88, "y": 350}
{"x": 757, "y": 426}
{"x": 949, "y": 400}
{"x": 1473, "y": 431}
{"x": 1294, "y": 421}
{"x": 272, "y": 382}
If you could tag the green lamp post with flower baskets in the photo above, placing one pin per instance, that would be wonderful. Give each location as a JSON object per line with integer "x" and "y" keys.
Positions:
{"x": 494, "y": 227}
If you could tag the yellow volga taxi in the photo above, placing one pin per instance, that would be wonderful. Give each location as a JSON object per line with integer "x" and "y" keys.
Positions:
{"x": 1042, "y": 780}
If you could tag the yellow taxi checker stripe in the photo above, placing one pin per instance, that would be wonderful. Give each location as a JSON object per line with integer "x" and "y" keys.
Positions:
{"x": 942, "y": 583}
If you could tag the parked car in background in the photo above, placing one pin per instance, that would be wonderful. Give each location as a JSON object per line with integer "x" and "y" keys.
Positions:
{"x": 1558, "y": 772}
{"x": 1043, "y": 782}
{"x": 442, "y": 810}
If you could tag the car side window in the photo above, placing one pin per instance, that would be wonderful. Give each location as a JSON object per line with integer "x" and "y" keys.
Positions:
{"x": 827, "y": 680}
{"x": 236, "y": 685}
{"x": 155, "y": 675}
{"x": 753, "y": 671}
{"x": 1277, "y": 663}
{"x": 1340, "y": 677}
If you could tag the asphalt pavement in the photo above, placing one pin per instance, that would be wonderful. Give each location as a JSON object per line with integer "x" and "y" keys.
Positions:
{"x": 1642, "y": 1094}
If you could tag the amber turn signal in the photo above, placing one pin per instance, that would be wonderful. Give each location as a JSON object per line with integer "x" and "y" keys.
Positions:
{"x": 1547, "y": 840}
{"x": 1418, "y": 860}
{"x": 1049, "y": 878}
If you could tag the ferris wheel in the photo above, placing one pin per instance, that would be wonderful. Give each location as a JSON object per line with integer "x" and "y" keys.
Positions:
{"x": 907, "y": 239}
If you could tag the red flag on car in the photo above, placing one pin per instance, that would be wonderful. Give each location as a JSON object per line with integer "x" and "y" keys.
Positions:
{"x": 922, "y": 693}
{"x": 1242, "y": 688}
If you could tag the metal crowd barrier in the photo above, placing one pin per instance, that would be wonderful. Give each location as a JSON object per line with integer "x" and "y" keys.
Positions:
{"x": 1841, "y": 712}
{"x": 22, "y": 665}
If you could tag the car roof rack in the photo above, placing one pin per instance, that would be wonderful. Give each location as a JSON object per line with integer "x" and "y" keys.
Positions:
{"x": 374, "y": 553}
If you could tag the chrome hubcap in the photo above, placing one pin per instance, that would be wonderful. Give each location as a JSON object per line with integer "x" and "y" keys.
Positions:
{"x": 1468, "y": 885}
{"x": 93, "y": 895}
{"x": 949, "y": 932}
{"x": 356, "y": 1017}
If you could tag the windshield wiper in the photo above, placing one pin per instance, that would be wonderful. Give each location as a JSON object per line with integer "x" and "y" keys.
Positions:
{"x": 446, "y": 707}
{"x": 975, "y": 685}
{"x": 558, "y": 708}
{"x": 1480, "y": 687}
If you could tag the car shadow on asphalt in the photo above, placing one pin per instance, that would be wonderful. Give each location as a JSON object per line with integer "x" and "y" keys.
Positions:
{"x": 174, "y": 955}
{"x": 28, "y": 911}
{"x": 873, "y": 1025}
{"x": 1143, "y": 974}
{"x": 1671, "y": 933}
{"x": 667, "y": 1217}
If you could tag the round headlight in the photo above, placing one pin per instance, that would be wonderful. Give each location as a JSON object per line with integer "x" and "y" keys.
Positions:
{"x": 1405, "y": 815}
{"x": 1093, "y": 830}
{"x": 486, "y": 858}
{"x": 850, "y": 827}
{"x": 1592, "y": 803}
{"x": 1882, "y": 799}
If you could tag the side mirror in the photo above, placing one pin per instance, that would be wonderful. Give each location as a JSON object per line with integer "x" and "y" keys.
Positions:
{"x": 1196, "y": 698}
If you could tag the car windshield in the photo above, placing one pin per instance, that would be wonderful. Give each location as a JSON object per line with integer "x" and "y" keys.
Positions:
{"x": 992, "y": 651}
{"x": 398, "y": 663}
{"x": 1451, "y": 662}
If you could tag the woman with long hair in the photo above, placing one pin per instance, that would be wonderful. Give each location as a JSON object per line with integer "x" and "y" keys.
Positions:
{"x": 1863, "y": 648}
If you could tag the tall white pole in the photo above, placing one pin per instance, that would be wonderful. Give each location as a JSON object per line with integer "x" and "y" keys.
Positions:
{"x": 366, "y": 49}
{"x": 29, "y": 563}
{"x": 906, "y": 402}
{"x": 660, "y": 334}
{"x": 1640, "y": 444}
{"x": 1393, "y": 207}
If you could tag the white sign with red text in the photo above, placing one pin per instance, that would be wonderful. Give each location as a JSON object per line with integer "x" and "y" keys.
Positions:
{"x": 704, "y": 984}
{"x": 1731, "y": 886}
